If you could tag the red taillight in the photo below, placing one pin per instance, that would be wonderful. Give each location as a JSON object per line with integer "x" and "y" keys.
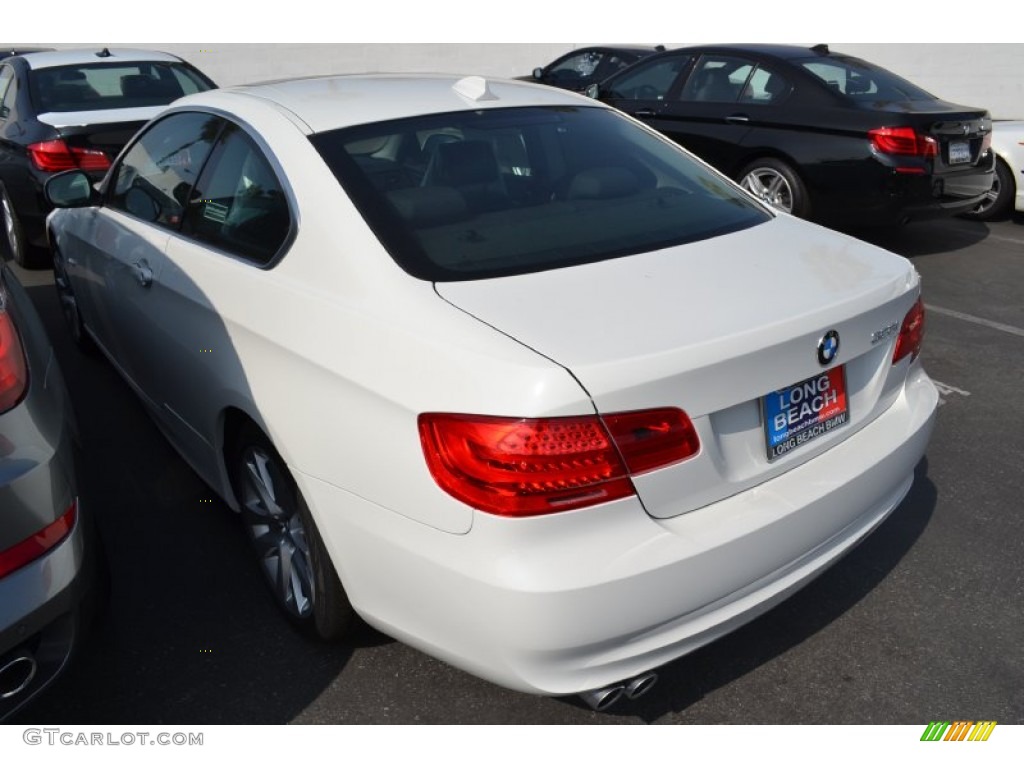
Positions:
{"x": 911, "y": 334}
{"x": 523, "y": 467}
{"x": 56, "y": 155}
{"x": 39, "y": 543}
{"x": 13, "y": 370}
{"x": 903, "y": 141}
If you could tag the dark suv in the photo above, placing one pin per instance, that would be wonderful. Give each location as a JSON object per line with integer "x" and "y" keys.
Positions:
{"x": 73, "y": 109}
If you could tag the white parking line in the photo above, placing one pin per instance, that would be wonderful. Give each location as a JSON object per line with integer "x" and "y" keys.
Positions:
{"x": 945, "y": 390}
{"x": 976, "y": 320}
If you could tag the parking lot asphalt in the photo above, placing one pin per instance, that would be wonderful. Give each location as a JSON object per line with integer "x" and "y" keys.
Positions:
{"x": 923, "y": 621}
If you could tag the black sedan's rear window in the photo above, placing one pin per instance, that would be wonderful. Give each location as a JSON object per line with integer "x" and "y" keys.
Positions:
{"x": 496, "y": 192}
{"x": 90, "y": 87}
{"x": 861, "y": 81}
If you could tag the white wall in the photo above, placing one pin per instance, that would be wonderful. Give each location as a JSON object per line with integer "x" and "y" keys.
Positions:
{"x": 977, "y": 74}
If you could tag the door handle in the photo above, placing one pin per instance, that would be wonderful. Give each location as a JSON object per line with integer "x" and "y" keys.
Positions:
{"x": 645, "y": 113}
{"x": 143, "y": 274}
{"x": 737, "y": 119}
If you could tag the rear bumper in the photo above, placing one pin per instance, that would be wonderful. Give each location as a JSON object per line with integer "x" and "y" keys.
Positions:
{"x": 573, "y": 602}
{"x": 876, "y": 194}
{"x": 41, "y": 619}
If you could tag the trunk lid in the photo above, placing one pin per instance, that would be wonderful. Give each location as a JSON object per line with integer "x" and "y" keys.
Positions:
{"x": 713, "y": 328}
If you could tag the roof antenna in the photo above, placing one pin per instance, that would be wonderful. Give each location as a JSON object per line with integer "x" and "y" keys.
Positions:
{"x": 821, "y": 49}
{"x": 105, "y": 53}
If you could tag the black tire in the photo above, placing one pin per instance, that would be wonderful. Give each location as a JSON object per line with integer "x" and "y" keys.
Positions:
{"x": 69, "y": 307}
{"x": 15, "y": 243}
{"x": 290, "y": 552}
{"x": 773, "y": 182}
{"x": 999, "y": 200}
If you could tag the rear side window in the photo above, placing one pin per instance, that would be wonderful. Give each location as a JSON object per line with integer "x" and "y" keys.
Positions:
{"x": 470, "y": 195}
{"x": 239, "y": 205}
{"x": 154, "y": 179}
{"x": 88, "y": 87}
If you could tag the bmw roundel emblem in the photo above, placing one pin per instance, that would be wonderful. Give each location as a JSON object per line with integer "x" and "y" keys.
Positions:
{"x": 828, "y": 347}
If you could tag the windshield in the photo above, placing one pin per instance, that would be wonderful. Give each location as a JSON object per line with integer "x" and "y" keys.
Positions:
{"x": 469, "y": 195}
{"x": 862, "y": 81}
{"x": 89, "y": 87}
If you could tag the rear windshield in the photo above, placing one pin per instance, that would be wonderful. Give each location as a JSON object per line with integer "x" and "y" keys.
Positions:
{"x": 862, "y": 81}
{"x": 89, "y": 87}
{"x": 496, "y": 192}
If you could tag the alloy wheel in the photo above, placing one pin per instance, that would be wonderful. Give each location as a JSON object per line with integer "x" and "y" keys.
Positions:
{"x": 990, "y": 197}
{"x": 11, "y": 229}
{"x": 771, "y": 186}
{"x": 277, "y": 531}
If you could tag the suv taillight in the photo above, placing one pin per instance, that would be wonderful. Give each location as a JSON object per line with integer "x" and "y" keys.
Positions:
{"x": 903, "y": 141}
{"x": 911, "y": 334}
{"x": 56, "y": 155}
{"x": 524, "y": 467}
{"x": 39, "y": 543}
{"x": 13, "y": 370}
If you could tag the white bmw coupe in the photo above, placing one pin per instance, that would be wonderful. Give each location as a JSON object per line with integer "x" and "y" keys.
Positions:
{"x": 497, "y": 368}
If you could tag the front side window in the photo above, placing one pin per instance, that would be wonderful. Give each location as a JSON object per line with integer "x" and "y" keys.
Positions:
{"x": 239, "y": 205}
{"x": 582, "y": 65}
{"x": 650, "y": 81}
{"x": 155, "y": 177}
{"x": 89, "y": 87}
{"x": 495, "y": 192}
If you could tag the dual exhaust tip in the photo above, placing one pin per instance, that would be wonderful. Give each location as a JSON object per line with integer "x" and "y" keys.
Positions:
{"x": 601, "y": 699}
{"x": 17, "y": 674}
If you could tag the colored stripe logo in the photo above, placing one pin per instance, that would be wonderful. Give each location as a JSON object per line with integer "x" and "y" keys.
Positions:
{"x": 958, "y": 730}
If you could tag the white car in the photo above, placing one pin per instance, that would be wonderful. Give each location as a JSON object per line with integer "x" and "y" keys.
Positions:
{"x": 1007, "y": 193}
{"x": 496, "y": 368}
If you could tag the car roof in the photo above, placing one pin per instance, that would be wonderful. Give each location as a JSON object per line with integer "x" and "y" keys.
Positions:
{"x": 79, "y": 56}
{"x": 326, "y": 103}
{"x": 767, "y": 49}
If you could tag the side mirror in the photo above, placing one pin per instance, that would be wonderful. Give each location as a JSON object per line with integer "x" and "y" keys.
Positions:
{"x": 538, "y": 74}
{"x": 70, "y": 189}
{"x": 593, "y": 90}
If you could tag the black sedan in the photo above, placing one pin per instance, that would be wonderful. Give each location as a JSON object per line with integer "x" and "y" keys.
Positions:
{"x": 73, "y": 109}
{"x": 815, "y": 133}
{"x": 578, "y": 69}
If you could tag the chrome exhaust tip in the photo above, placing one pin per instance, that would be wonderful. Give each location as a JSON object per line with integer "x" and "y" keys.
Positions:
{"x": 16, "y": 675}
{"x": 638, "y": 686}
{"x": 600, "y": 699}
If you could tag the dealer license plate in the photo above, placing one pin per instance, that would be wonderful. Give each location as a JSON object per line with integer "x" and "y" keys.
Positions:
{"x": 797, "y": 414}
{"x": 959, "y": 152}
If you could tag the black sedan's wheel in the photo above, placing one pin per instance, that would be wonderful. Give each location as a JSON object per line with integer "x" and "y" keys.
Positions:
{"x": 774, "y": 182}
{"x": 999, "y": 199}
{"x": 288, "y": 546}
{"x": 14, "y": 239}
{"x": 69, "y": 306}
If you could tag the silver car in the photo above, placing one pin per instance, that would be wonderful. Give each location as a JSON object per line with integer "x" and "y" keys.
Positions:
{"x": 46, "y": 564}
